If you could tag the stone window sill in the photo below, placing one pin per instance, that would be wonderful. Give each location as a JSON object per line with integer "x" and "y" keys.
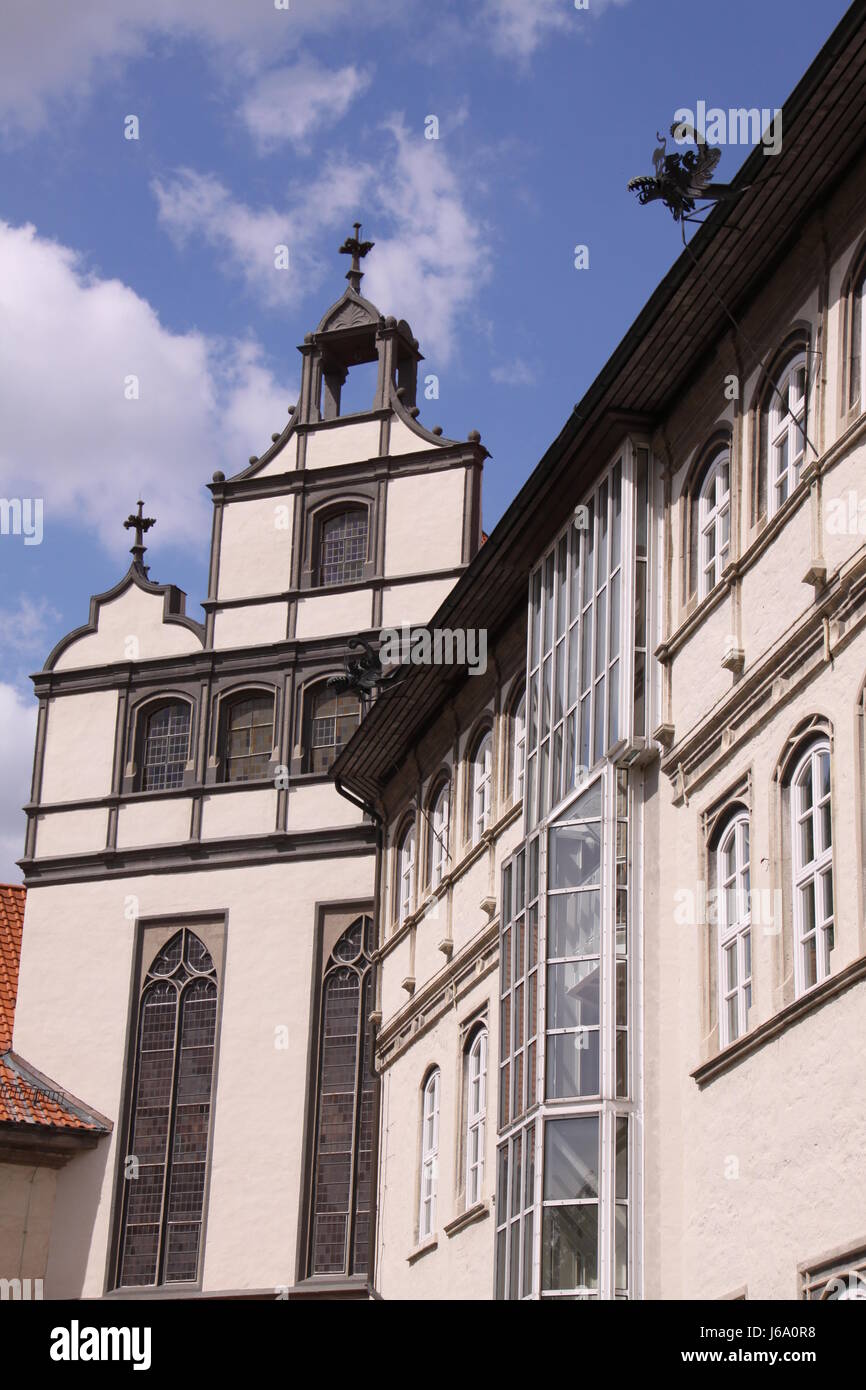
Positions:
{"x": 786, "y": 1018}
{"x": 467, "y": 1218}
{"x": 423, "y": 1249}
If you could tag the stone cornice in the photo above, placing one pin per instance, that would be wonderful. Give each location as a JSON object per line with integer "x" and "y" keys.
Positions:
{"x": 427, "y": 1005}
{"x": 827, "y": 628}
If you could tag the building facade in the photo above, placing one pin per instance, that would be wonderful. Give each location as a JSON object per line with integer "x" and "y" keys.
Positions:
{"x": 654, "y": 955}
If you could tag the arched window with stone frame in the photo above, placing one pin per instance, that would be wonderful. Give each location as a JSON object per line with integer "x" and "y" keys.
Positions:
{"x": 732, "y": 901}
{"x": 342, "y": 1187}
{"x": 429, "y": 1175}
{"x": 340, "y": 542}
{"x": 707, "y": 512}
{"x": 331, "y": 719}
{"x": 406, "y": 870}
{"x": 479, "y": 800}
{"x": 475, "y": 1113}
{"x": 438, "y": 832}
{"x": 805, "y": 868}
{"x": 162, "y": 743}
{"x": 246, "y": 735}
{"x": 164, "y": 1159}
{"x": 780, "y": 415}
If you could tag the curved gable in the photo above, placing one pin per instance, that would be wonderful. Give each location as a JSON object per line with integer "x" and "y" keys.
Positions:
{"x": 134, "y": 621}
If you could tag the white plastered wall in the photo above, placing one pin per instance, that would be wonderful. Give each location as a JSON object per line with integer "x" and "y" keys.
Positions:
{"x": 256, "y": 547}
{"x": 79, "y": 746}
{"x": 130, "y": 628}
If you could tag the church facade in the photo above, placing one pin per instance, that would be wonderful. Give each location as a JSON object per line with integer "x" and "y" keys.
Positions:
{"x": 198, "y": 926}
{"x": 541, "y": 980}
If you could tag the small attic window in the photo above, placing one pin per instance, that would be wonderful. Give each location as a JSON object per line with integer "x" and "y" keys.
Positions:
{"x": 358, "y": 392}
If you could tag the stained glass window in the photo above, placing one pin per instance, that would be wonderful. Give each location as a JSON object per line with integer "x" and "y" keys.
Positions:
{"x": 165, "y": 1165}
{"x": 333, "y": 720}
{"x": 342, "y": 1188}
{"x": 249, "y": 738}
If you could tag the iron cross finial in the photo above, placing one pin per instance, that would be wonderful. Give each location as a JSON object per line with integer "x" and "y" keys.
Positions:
{"x": 356, "y": 248}
{"x": 140, "y": 524}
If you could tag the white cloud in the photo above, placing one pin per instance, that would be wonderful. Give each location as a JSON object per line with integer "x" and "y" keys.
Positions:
{"x": 289, "y": 103}
{"x": 431, "y": 268}
{"x": 516, "y": 373}
{"x": 17, "y": 732}
{"x": 22, "y": 629}
{"x": 55, "y": 50}
{"x": 518, "y": 27}
{"x": 70, "y": 342}
{"x": 195, "y": 207}
{"x": 427, "y": 267}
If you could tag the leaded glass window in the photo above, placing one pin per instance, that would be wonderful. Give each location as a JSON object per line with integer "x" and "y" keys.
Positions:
{"x": 165, "y": 1165}
{"x": 249, "y": 738}
{"x": 332, "y": 721}
{"x": 165, "y": 747}
{"x": 342, "y": 1187}
{"x": 343, "y": 547}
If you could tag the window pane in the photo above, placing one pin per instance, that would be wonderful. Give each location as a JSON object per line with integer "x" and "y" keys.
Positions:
{"x": 573, "y": 924}
{"x": 569, "y": 1247}
{"x": 573, "y": 995}
{"x": 572, "y": 1064}
{"x": 621, "y": 1246}
{"x": 575, "y": 855}
{"x": 571, "y": 1158}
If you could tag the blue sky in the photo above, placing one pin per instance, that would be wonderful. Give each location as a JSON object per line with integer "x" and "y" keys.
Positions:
{"x": 261, "y": 126}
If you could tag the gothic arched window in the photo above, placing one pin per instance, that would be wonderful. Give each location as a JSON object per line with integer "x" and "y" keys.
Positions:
{"x": 164, "y": 747}
{"x": 342, "y": 547}
{"x": 342, "y": 1190}
{"x": 165, "y": 1161}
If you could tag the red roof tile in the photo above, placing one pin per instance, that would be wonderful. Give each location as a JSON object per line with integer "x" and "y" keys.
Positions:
{"x": 11, "y": 925}
{"x": 26, "y": 1096}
